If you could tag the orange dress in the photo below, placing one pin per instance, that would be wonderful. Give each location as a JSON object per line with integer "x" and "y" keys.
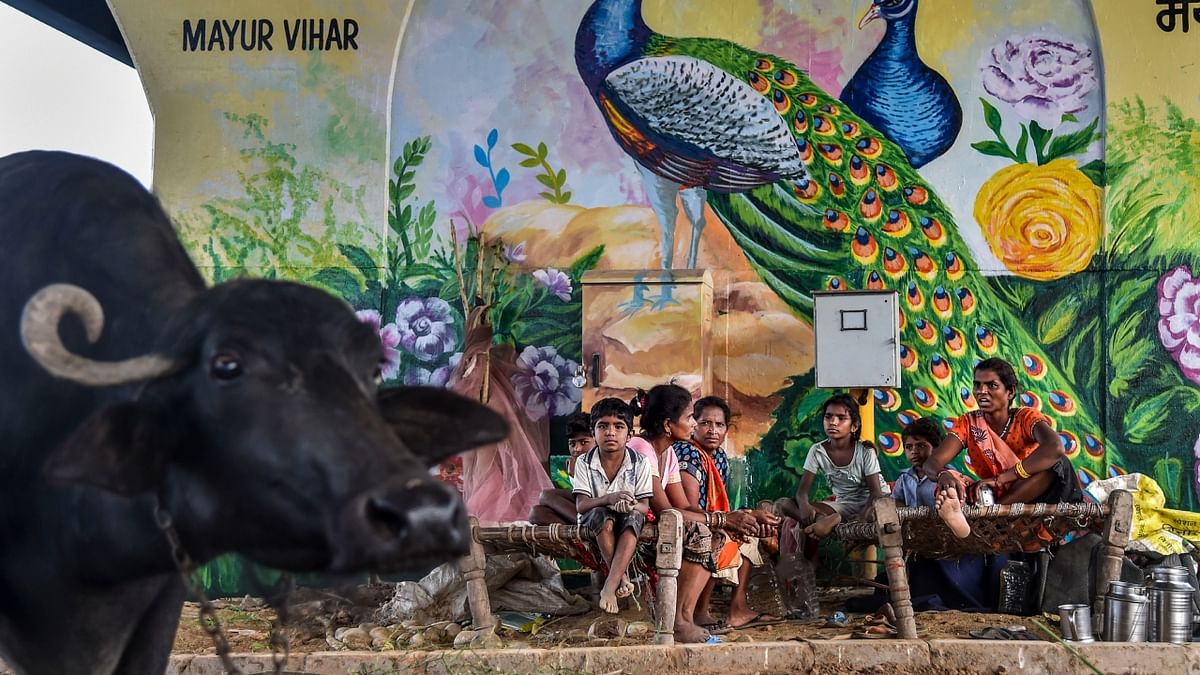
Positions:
{"x": 1018, "y": 436}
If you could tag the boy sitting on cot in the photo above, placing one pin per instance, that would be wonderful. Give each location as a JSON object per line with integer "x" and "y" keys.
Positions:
{"x": 557, "y": 505}
{"x": 612, "y": 486}
{"x": 913, "y": 486}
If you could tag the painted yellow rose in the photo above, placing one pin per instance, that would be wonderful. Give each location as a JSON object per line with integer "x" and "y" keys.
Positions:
{"x": 1042, "y": 222}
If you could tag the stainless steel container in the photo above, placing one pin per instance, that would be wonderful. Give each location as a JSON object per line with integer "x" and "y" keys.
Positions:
{"x": 1076, "y": 622}
{"x": 1170, "y": 595}
{"x": 1125, "y": 617}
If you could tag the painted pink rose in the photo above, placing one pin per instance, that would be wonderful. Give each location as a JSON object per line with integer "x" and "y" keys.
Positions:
{"x": 1043, "y": 77}
{"x": 1179, "y": 319}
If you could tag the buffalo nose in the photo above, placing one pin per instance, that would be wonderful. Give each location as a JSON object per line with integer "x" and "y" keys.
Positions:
{"x": 421, "y": 516}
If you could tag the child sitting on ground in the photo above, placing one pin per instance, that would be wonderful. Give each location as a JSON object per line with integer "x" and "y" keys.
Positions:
{"x": 913, "y": 486}
{"x": 612, "y": 486}
{"x": 850, "y": 467}
{"x": 557, "y": 505}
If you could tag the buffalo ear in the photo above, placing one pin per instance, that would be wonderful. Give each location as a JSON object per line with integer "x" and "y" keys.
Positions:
{"x": 121, "y": 448}
{"x": 437, "y": 423}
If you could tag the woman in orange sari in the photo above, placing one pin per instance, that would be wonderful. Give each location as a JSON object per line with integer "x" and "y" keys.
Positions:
{"x": 1014, "y": 451}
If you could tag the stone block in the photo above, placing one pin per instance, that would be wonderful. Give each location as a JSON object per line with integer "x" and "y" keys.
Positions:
{"x": 840, "y": 656}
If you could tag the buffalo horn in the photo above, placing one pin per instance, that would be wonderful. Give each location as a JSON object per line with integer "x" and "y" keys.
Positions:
{"x": 39, "y": 333}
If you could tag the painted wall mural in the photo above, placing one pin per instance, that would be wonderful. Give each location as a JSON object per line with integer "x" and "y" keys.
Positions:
{"x": 1022, "y": 173}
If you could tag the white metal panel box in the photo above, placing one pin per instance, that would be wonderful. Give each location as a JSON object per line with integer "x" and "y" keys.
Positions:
{"x": 857, "y": 336}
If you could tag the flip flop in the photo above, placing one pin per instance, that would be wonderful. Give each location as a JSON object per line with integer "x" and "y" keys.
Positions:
{"x": 994, "y": 633}
{"x": 876, "y": 633}
{"x": 877, "y": 620}
{"x": 836, "y": 620}
{"x": 758, "y": 621}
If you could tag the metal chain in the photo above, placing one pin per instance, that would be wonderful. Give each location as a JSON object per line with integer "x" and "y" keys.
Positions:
{"x": 209, "y": 622}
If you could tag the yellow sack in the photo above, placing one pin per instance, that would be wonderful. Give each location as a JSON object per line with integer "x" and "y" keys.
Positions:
{"x": 1155, "y": 527}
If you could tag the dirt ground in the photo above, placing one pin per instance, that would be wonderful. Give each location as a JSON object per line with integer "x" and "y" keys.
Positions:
{"x": 334, "y": 619}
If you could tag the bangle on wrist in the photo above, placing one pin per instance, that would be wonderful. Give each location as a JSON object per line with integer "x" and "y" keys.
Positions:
{"x": 1019, "y": 469}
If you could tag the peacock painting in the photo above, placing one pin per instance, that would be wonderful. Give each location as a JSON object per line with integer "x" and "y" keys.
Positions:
{"x": 899, "y": 94}
{"x": 817, "y": 198}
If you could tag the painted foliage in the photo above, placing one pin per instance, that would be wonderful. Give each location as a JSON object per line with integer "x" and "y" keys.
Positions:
{"x": 975, "y": 156}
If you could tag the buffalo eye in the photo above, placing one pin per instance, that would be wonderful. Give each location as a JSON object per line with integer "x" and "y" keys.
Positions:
{"x": 225, "y": 367}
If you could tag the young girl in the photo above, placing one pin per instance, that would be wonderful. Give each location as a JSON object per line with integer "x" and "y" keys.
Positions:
{"x": 850, "y": 467}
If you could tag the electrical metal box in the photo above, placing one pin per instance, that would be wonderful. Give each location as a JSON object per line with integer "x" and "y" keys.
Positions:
{"x": 646, "y": 327}
{"x": 857, "y": 336}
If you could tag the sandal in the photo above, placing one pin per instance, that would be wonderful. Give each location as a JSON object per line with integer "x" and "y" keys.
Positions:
{"x": 994, "y": 633}
{"x": 758, "y": 621}
{"x": 878, "y": 632}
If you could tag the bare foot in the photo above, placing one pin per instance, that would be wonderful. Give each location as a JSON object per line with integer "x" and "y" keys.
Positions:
{"x": 626, "y": 588}
{"x": 608, "y": 600}
{"x": 705, "y": 619}
{"x": 689, "y": 632}
{"x": 950, "y": 509}
{"x": 823, "y": 526}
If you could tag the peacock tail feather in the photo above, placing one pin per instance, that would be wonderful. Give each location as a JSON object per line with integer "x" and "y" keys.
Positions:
{"x": 864, "y": 219}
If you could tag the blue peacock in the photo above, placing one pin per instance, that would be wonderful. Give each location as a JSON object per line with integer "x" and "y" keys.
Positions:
{"x": 898, "y": 94}
{"x": 817, "y": 198}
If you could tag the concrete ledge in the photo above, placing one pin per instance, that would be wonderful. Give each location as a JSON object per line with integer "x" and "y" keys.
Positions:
{"x": 892, "y": 656}
{"x": 818, "y": 656}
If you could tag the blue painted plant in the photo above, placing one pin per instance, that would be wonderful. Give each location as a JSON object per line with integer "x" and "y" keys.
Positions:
{"x": 499, "y": 178}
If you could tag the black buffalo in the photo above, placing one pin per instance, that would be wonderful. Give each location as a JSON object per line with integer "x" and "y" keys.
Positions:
{"x": 250, "y": 411}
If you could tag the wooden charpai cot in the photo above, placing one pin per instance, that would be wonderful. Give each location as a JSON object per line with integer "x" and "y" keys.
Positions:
{"x": 565, "y": 541}
{"x": 896, "y": 529}
{"x": 1011, "y": 528}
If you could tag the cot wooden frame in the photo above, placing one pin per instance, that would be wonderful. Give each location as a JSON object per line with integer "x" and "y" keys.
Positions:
{"x": 560, "y": 540}
{"x": 899, "y": 530}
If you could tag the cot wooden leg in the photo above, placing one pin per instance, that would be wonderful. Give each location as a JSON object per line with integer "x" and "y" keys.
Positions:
{"x": 472, "y": 566}
{"x": 668, "y": 560}
{"x": 1112, "y": 548}
{"x": 892, "y": 540}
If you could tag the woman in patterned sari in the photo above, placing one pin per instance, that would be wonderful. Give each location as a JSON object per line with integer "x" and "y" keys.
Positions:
{"x": 704, "y": 470}
{"x": 1014, "y": 451}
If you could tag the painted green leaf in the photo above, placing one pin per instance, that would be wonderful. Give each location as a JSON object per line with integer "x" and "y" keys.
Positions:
{"x": 992, "y": 117}
{"x": 530, "y": 163}
{"x": 1022, "y": 144}
{"x": 1146, "y": 422}
{"x": 586, "y": 262}
{"x": 1168, "y": 471}
{"x": 1073, "y": 143}
{"x": 1129, "y": 293}
{"x": 548, "y": 196}
{"x": 1059, "y": 319}
{"x": 1095, "y": 171}
{"x": 565, "y": 198}
{"x": 338, "y": 281}
{"x": 1068, "y": 117}
{"x": 993, "y": 148}
{"x": 547, "y": 180}
{"x": 542, "y": 151}
{"x": 1040, "y": 137}
{"x": 525, "y": 150}
{"x": 358, "y": 257}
